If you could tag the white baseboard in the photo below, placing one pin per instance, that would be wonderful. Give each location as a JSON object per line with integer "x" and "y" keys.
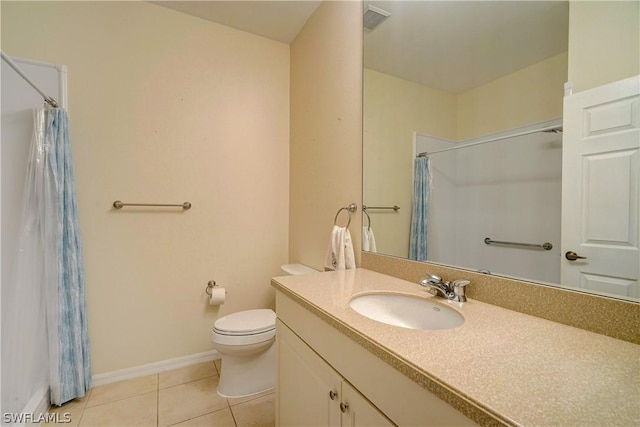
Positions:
{"x": 153, "y": 368}
{"x": 36, "y": 406}
{"x": 39, "y": 402}
{"x": 43, "y": 404}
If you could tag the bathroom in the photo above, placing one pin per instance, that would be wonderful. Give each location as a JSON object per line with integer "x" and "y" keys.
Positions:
{"x": 262, "y": 137}
{"x": 165, "y": 108}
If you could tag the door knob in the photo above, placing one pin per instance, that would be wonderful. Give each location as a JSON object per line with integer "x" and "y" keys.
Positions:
{"x": 572, "y": 256}
{"x": 344, "y": 407}
{"x": 333, "y": 395}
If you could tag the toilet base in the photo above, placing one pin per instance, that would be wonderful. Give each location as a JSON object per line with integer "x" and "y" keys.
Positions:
{"x": 246, "y": 375}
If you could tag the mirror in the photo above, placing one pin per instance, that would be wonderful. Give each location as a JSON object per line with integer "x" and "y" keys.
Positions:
{"x": 488, "y": 76}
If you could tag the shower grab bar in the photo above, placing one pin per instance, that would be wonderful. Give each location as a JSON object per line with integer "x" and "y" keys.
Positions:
{"x": 394, "y": 207}
{"x": 546, "y": 245}
{"x": 119, "y": 205}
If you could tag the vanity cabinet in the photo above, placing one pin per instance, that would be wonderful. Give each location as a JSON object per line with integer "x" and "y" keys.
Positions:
{"x": 311, "y": 392}
{"x": 315, "y": 359}
{"x": 500, "y": 367}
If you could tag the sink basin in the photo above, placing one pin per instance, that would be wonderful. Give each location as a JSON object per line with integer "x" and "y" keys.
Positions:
{"x": 406, "y": 311}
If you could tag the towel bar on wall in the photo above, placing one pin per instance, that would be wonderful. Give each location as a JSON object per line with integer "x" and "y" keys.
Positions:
{"x": 119, "y": 205}
{"x": 394, "y": 207}
{"x": 546, "y": 245}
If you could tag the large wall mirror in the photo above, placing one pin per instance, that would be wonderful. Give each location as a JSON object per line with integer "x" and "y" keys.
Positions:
{"x": 463, "y": 121}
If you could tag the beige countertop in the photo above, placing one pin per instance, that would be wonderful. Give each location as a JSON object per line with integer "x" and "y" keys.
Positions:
{"x": 518, "y": 369}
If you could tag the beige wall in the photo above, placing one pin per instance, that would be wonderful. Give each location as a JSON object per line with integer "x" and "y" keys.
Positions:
{"x": 326, "y": 129}
{"x": 604, "y": 42}
{"x": 167, "y": 108}
{"x": 531, "y": 95}
{"x": 393, "y": 110}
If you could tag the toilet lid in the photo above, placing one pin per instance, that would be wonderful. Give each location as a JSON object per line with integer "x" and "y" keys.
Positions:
{"x": 246, "y": 322}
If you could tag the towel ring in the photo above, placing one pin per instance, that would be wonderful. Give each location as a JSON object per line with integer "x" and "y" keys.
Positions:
{"x": 350, "y": 209}
{"x": 368, "y": 218}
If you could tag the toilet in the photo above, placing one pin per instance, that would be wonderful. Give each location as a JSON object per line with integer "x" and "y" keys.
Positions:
{"x": 245, "y": 342}
{"x": 294, "y": 269}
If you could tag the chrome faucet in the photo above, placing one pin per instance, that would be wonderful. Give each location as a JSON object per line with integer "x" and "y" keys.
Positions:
{"x": 454, "y": 291}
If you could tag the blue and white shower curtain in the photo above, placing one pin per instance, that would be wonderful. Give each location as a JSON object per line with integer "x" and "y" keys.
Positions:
{"x": 420, "y": 208}
{"x": 51, "y": 203}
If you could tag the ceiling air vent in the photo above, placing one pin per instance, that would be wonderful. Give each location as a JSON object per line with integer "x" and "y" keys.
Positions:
{"x": 374, "y": 16}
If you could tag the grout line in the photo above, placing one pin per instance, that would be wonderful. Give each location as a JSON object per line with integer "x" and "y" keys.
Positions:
{"x": 198, "y": 416}
{"x": 233, "y": 416}
{"x": 81, "y": 415}
{"x": 84, "y": 406}
{"x": 186, "y": 382}
{"x": 158, "y": 400}
{"x": 118, "y": 400}
{"x": 253, "y": 397}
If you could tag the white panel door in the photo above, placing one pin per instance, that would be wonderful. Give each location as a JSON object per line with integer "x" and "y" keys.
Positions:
{"x": 600, "y": 189}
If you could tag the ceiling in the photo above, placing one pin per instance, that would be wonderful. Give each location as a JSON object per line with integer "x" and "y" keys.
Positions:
{"x": 447, "y": 45}
{"x": 276, "y": 20}
{"x": 458, "y": 45}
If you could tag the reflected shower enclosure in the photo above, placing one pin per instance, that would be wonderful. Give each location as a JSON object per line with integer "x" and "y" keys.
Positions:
{"x": 506, "y": 189}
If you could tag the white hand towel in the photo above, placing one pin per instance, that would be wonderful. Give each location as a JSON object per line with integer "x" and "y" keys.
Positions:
{"x": 368, "y": 240}
{"x": 340, "y": 254}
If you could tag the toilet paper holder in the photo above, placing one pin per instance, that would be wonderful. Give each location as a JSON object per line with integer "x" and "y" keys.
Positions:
{"x": 212, "y": 284}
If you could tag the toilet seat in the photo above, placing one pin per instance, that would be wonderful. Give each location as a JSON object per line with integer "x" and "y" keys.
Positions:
{"x": 248, "y": 322}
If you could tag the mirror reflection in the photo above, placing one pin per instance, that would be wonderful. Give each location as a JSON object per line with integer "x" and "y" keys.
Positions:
{"x": 463, "y": 131}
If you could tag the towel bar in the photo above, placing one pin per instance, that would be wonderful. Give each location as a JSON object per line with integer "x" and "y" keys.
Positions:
{"x": 394, "y": 207}
{"x": 119, "y": 205}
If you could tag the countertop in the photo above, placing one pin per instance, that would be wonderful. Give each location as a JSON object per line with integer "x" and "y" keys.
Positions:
{"x": 518, "y": 369}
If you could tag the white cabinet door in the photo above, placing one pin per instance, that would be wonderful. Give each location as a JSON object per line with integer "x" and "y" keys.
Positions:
{"x": 305, "y": 382}
{"x": 601, "y": 189}
{"x": 311, "y": 393}
{"x": 358, "y": 411}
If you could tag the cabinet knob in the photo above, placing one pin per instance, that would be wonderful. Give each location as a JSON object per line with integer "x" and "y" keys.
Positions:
{"x": 333, "y": 395}
{"x": 344, "y": 407}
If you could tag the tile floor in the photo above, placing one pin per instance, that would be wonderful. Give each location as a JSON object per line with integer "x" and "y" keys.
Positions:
{"x": 182, "y": 397}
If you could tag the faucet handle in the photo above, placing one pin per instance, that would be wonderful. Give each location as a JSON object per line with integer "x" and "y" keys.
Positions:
{"x": 459, "y": 287}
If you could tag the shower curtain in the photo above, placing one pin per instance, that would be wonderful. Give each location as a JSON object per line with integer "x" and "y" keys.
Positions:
{"x": 50, "y": 254}
{"x": 420, "y": 207}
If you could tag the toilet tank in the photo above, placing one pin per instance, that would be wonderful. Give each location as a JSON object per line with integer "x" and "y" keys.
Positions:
{"x": 295, "y": 269}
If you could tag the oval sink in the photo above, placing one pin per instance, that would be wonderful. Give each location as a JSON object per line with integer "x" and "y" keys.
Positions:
{"x": 406, "y": 311}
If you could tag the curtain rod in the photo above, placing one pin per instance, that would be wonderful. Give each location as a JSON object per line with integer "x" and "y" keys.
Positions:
{"x": 554, "y": 129}
{"x": 49, "y": 100}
